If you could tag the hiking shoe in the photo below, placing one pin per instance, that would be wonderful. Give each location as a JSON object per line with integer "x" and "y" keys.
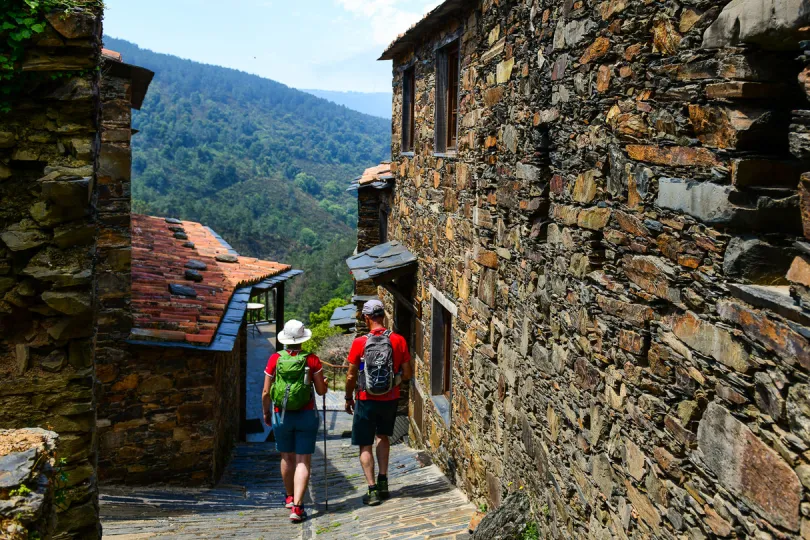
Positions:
{"x": 372, "y": 498}
{"x": 382, "y": 488}
{"x": 298, "y": 515}
{"x": 288, "y": 502}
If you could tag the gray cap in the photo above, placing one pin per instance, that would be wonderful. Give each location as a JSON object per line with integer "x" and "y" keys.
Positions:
{"x": 373, "y": 308}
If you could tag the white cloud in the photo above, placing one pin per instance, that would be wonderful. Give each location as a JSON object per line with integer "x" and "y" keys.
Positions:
{"x": 388, "y": 18}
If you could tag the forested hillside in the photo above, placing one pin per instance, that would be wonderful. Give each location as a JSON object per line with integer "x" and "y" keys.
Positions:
{"x": 265, "y": 165}
{"x": 373, "y": 103}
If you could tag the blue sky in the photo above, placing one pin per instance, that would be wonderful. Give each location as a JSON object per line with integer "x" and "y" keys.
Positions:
{"x": 319, "y": 44}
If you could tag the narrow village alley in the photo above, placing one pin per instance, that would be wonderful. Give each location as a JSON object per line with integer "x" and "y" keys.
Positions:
{"x": 248, "y": 501}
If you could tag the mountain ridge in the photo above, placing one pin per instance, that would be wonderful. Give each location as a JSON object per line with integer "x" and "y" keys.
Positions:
{"x": 263, "y": 164}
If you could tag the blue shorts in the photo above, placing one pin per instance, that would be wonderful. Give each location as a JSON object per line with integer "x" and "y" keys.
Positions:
{"x": 298, "y": 433}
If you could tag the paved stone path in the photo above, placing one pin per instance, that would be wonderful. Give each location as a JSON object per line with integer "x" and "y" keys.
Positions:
{"x": 248, "y": 501}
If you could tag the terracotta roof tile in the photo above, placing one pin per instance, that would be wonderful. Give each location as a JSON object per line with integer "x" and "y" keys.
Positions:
{"x": 158, "y": 261}
{"x": 373, "y": 174}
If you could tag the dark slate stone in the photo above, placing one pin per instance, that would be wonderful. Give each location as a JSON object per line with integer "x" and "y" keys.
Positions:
{"x": 749, "y": 258}
{"x": 768, "y": 298}
{"x": 803, "y": 247}
{"x": 177, "y": 229}
{"x": 189, "y": 245}
{"x": 227, "y": 258}
{"x": 173, "y": 221}
{"x": 196, "y": 265}
{"x": 16, "y": 468}
{"x": 193, "y": 275}
{"x": 653, "y": 225}
{"x": 182, "y": 290}
{"x": 508, "y": 522}
{"x": 181, "y": 236}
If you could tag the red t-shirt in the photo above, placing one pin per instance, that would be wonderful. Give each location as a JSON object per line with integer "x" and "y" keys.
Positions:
{"x": 314, "y": 364}
{"x": 401, "y": 356}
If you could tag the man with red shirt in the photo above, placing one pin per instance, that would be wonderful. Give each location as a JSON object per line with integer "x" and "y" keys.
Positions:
{"x": 374, "y": 415}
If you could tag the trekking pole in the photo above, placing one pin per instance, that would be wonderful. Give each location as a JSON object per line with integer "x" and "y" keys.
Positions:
{"x": 325, "y": 476}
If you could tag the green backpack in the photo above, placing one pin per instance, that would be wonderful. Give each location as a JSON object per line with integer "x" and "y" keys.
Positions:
{"x": 289, "y": 390}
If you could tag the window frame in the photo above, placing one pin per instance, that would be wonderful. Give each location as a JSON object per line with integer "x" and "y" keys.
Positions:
{"x": 441, "y": 355}
{"x": 407, "y": 143}
{"x": 446, "y": 135}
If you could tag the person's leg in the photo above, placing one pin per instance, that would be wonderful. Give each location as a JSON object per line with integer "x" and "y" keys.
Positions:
{"x": 303, "y": 465}
{"x": 285, "y": 444}
{"x": 383, "y": 453}
{"x": 386, "y": 419}
{"x": 288, "y": 471}
{"x": 367, "y": 462}
{"x": 306, "y": 434}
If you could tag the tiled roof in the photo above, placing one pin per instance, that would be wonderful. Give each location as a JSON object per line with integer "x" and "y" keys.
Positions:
{"x": 433, "y": 21}
{"x": 380, "y": 176}
{"x": 381, "y": 262}
{"x": 112, "y": 55}
{"x": 344, "y": 316}
{"x": 192, "y": 312}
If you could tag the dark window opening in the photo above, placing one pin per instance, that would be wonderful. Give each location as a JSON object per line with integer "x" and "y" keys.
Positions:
{"x": 408, "y": 108}
{"x": 447, "y": 88}
{"x": 383, "y": 225}
{"x": 442, "y": 351}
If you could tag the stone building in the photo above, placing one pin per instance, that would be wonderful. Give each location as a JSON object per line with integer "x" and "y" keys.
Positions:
{"x": 609, "y": 222}
{"x": 49, "y": 145}
{"x": 173, "y": 390}
{"x": 124, "y": 335}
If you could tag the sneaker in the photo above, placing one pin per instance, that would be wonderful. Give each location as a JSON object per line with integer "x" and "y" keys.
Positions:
{"x": 298, "y": 515}
{"x": 372, "y": 498}
{"x": 382, "y": 488}
{"x": 288, "y": 502}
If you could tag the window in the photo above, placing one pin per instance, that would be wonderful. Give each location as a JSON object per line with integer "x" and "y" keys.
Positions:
{"x": 384, "y": 224}
{"x": 442, "y": 351}
{"x": 408, "y": 108}
{"x": 447, "y": 86}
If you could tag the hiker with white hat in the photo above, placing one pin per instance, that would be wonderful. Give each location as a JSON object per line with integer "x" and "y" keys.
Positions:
{"x": 378, "y": 363}
{"x": 290, "y": 377}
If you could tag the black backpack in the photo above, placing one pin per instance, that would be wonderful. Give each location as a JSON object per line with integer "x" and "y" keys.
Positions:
{"x": 377, "y": 378}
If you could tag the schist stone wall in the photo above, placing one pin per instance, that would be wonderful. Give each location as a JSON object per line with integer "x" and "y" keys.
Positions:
{"x": 29, "y": 483}
{"x": 48, "y": 150}
{"x": 626, "y": 172}
{"x": 370, "y": 203}
{"x": 169, "y": 414}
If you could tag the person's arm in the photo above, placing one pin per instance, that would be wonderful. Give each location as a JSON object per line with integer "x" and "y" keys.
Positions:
{"x": 407, "y": 371}
{"x": 351, "y": 384}
{"x": 267, "y": 401}
{"x": 406, "y": 368}
{"x": 355, "y": 357}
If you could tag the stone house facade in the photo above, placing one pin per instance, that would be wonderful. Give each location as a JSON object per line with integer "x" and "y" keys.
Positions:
{"x": 172, "y": 388}
{"x": 49, "y": 148}
{"x": 609, "y": 217}
{"x": 117, "y": 332}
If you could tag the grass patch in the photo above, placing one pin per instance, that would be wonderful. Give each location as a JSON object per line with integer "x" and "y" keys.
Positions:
{"x": 328, "y": 528}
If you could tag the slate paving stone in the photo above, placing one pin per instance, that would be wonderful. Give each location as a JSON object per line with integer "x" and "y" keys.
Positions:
{"x": 248, "y": 502}
{"x": 173, "y": 221}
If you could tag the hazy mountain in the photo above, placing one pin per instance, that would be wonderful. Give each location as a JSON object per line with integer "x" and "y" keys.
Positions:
{"x": 373, "y": 103}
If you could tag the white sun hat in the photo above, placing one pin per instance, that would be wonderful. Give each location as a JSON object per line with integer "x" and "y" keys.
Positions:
{"x": 294, "y": 333}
